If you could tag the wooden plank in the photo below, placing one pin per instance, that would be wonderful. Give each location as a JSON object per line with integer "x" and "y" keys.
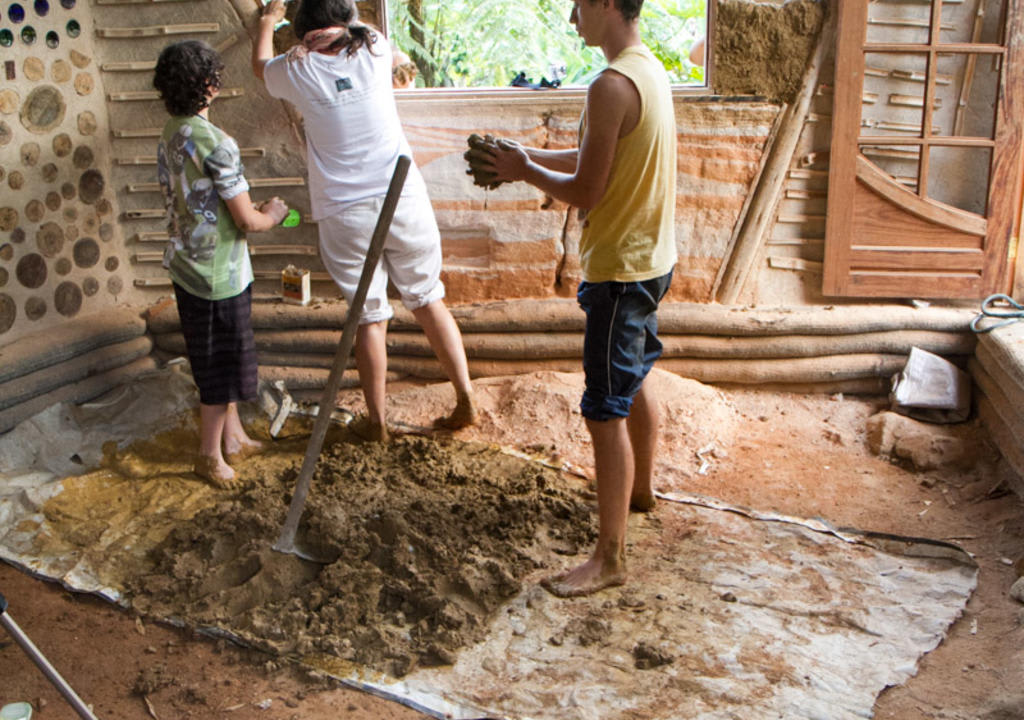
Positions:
{"x": 131, "y": 66}
{"x": 901, "y": 100}
{"x": 151, "y": 159}
{"x": 780, "y": 262}
{"x": 283, "y": 250}
{"x": 921, "y": 48}
{"x": 149, "y": 237}
{"x": 149, "y": 257}
{"x": 144, "y": 214}
{"x": 904, "y": 258}
{"x": 917, "y": 76}
{"x": 846, "y": 113}
{"x": 800, "y": 194}
{"x": 932, "y": 211}
{"x": 149, "y": 187}
{"x": 161, "y": 282}
{"x": 907, "y": 22}
{"x": 137, "y": 95}
{"x": 276, "y": 275}
{"x": 800, "y": 218}
{"x": 1005, "y": 184}
{"x": 118, "y": 33}
{"x": 137, "y": 133}
{"x": 797, "y": 242}
{"x": 807, "y": 174}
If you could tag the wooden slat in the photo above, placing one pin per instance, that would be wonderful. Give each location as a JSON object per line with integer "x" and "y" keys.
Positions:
{"x": 145, "y": 214}
{"x": 907, "y": 22}
{"x": 911, "y": 101}
{"x": 157, "y": 30}
{"x": 150, "y": 187}
{"x": 137, "y": 95}
{"x": 917, "y": 76}
{"x": 151, "y": 159}
{"x": 283, "y": 250}
{"x": 921, "y": 48}
{"x": 161, "y": 282}
{"x": 149, "y": 257}
{"x": 800, "y": 194}
{"x": 800, "y": 218}
{"x": 904, "y": 258}
{"x": 797, "y": 242}
{"x": 137, "y": 133}
{"x": 781, "y": 262}
{"x": 149, "y": 237}
{"x": 951, "y": 141}
{"x": 930, "y": 210}
{"x": 131, "y": 66}
{"x": 276, "y": 275}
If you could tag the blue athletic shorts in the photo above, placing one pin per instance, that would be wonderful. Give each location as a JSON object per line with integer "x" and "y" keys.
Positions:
{"x": 620, "y": 344}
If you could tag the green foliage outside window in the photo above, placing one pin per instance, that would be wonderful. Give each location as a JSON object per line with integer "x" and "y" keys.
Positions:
{"x": 486, "y": 43}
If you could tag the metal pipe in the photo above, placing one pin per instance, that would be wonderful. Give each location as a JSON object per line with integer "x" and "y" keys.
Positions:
{"x": 42, "y": 663}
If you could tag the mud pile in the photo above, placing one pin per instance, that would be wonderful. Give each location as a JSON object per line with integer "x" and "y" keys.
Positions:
{"x": 430, "y": 537}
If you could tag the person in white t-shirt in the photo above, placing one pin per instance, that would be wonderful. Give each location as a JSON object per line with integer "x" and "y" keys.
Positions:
{"x": 339, "y": 77}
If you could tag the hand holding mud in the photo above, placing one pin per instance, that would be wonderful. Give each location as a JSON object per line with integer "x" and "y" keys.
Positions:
{"x": 275, "y": 207}
{"x": 273, "y": 13}
{"x": 482, "y": 155}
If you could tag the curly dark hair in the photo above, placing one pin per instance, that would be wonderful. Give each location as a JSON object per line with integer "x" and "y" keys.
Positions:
{"x": 185, "y": 74}
{"x": 319, "y": 14}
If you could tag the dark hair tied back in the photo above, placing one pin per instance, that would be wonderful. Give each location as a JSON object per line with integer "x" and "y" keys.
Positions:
{"x": 185, "y": 74}
{"x": 319, "y": 14}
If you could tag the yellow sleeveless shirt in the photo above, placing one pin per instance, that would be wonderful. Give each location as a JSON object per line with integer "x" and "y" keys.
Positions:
{"x": 629, "y": 235}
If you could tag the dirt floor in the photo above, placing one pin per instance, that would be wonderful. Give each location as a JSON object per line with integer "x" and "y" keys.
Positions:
{"x": 800, "y": 455}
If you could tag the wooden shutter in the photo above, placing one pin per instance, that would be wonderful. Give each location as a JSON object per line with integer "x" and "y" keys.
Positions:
{"x": 925, "y": 163}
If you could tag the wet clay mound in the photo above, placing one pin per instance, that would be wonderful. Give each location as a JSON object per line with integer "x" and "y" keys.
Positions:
{"x": 430, "y": 538}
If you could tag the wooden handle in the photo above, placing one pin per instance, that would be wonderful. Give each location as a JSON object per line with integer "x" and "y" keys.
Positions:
{"x": 286, "y": 542}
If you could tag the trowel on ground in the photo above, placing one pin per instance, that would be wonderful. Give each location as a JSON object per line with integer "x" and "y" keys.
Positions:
{"x": 286, "y": 542}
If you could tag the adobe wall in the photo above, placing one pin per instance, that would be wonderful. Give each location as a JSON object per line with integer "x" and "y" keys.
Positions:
{"x": 65, "y": 253}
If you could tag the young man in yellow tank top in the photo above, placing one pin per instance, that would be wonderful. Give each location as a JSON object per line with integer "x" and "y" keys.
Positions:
{"x": 623, "y": 174}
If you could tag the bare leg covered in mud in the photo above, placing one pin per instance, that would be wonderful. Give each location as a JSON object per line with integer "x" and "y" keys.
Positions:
{"x": 372, "y": 364}
{"x": 209, "y": 463}
{"x": 446, "y": 342}
{"x": 623, "y": 462}
{"x": 237, "y": 444}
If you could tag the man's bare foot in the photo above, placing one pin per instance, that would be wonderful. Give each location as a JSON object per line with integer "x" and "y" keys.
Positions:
{"x": 585, "y": 579}
{"x": 238, "y": 450}
{"x": 642, "y": 501}
{"x": 216, "y": 472}
{"x": 462, "y": 416}
{"x": 371, "y": 431}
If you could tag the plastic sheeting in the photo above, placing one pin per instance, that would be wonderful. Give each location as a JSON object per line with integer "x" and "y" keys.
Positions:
{"x": 729, "y": 613}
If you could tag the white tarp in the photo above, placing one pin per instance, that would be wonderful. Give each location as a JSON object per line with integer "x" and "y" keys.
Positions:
{"x": 729, "y": 613}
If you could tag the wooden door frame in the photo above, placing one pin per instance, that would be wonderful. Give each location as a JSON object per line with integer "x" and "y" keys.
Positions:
{"x": 1006, "y": 176}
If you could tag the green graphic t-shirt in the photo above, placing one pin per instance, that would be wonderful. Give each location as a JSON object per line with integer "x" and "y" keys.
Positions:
{"x": 199, "y": 166}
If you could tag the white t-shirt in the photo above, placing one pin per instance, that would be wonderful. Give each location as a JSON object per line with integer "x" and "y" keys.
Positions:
{"x": 353, "y": 133}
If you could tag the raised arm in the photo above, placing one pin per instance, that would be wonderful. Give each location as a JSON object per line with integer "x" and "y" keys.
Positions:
{"x": 263, "y": 45}
{"x": 612, "y": 110}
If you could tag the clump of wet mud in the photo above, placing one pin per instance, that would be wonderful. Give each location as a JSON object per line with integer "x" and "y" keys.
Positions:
{"x": 429, "y": 538}
{"x": 763, "y": 48}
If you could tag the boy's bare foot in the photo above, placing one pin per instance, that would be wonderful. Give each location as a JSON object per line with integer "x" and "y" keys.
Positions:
{"x": 236, "y": 452}
{"x": 642, "y": 501}
{"x": 371, "y": 431}
{"x": 586, "y": 579}
{"x": 216, "y": 472}
{"x": 462, "y": 416}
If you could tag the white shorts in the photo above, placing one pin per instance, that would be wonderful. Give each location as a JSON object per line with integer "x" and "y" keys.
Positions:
{"x": 411, "y": 256}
